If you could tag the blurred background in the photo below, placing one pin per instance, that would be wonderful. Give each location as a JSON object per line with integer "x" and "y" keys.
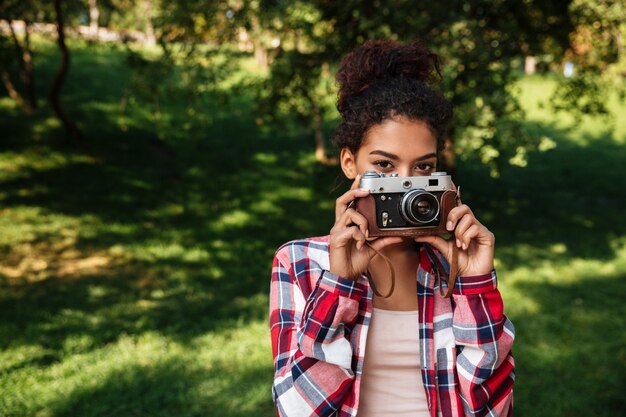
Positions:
{"x": 155, "y": 154}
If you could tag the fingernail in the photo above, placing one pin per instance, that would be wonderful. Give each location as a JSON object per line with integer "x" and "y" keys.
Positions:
{"x": 364, "y": 190}
{"x": 464, "y": 246}
{"x": 458, "y": 243}
{"x": 449, "y": 225}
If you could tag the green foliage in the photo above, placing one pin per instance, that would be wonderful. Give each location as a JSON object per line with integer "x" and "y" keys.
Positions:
{"x": 177, "y": 84}
{"x": 28, "y": 10}
{"x": 598, "y": 37}
{"x": 125, "y": 14}
{"x": 304, "y": 89}
{"x": 481, "y": 42}
{"x": 134, "y": 282}
{"x": 583, "y": 94}
{"x": 597, "y": 50}
{"x": 152, "y": 84}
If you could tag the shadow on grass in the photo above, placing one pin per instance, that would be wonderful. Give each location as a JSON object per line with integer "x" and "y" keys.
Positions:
{"x": 169, "y": 388}
{"x": 566, "y": 204}
{"x": 574, "y": 343}
{"x": 233, "y": 221}
{"x": 187, "y": 229}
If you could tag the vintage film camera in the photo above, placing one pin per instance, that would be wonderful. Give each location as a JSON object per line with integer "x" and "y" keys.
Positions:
{"x": 406, "y": 206}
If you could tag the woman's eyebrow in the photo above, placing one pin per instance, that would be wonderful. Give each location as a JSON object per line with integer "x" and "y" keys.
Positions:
{"x": 396, "y": 157}
{"x": 385, "y": 154}
{"x": 427, "y": 156}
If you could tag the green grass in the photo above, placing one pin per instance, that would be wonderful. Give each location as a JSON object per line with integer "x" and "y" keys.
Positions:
{"x": 134, "y": 273}
{"x": 561, "y": 256}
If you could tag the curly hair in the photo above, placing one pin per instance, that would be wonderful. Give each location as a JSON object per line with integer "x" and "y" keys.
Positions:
{"x": 382, "y": 80}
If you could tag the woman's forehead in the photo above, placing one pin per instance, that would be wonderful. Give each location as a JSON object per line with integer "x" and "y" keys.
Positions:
{"x": 400, "y": 135}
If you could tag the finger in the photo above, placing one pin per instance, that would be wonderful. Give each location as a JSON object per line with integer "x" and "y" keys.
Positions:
{"x": 354, "y": 234}
{"x": 352, "y": 217}
{"x": 348, "y": 236}
{"x": 436, "y": 242}
{"x": 359, "y": 237}
{"x": 345, "y": 199}
{"x": 455, "y": 214}
{"x": 466, "y": 221}
{"x": 470, "y": 234}
{"x": 356, "y": 182}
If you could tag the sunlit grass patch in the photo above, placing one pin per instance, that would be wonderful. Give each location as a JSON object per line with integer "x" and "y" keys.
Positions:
{"x": 20, "y": 164}
{"x": 215, "y": 374}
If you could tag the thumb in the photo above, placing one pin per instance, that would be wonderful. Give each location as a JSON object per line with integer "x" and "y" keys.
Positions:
{"x": 437, "y": 242}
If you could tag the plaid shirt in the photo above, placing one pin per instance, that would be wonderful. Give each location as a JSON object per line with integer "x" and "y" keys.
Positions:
{"x": 319, "y": 324}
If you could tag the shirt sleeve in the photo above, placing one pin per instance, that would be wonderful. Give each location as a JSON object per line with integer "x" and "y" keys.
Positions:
{"x": 484, "y": 336}
{"x": 310, "y": 327}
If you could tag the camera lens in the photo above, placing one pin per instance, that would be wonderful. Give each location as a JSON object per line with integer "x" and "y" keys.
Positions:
{"x": 418, "y": 207}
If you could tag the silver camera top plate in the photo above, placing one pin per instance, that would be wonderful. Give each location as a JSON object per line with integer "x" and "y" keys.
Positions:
{"x": 380, "y": 183}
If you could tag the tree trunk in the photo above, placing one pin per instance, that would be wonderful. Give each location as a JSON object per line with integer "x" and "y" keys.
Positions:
{"x": 150, "y": 36}
{"x": 55, "y": 90}
{"x": 28, "y": 100}
{"x": 26, "y": 74}
{"x": 320, "y": 147}
{"x": 94, "y": 15}
{"x": 530, "y": 65}
{"x": 10, "y": 87}
{"x": 619, "y": 43}
{"x": 260, "y": 54}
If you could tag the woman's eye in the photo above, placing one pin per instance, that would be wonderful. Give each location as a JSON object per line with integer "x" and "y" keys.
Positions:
{"x": 383, "y": 164}
{"x": 424, "y": 167}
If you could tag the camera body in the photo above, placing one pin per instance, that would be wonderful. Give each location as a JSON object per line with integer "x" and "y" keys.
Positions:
{"x": 406, "y": 206}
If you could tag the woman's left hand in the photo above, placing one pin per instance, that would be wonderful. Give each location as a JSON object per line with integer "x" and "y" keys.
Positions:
{"x": 475, "y": 242}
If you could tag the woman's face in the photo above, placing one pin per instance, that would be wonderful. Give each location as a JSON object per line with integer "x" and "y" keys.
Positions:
{"x": 403, "y": 147}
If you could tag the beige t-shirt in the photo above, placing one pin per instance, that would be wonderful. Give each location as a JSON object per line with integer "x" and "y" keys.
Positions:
{"x": 391, "y": 383}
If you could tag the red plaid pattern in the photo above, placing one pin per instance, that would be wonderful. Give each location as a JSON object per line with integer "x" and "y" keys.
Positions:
{"x": 319, "y": 325}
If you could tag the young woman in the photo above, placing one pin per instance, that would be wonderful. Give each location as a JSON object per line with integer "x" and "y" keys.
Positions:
{"x": 340, "y": 349}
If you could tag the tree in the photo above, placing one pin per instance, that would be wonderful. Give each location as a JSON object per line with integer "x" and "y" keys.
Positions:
{"x": 16, "y": 50}
{"x": 57, "y": 83}
{"x": 482, "y": 42}
{"x": 184, "y": 68}
{"x": 299, "y": 80}
{"x": 596, "y": 49}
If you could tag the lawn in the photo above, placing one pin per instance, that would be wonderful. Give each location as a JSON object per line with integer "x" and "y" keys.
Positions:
{"x": 135, "y": 267}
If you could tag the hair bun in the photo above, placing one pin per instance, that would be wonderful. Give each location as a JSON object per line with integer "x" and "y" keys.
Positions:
{"x": 381, "y": 59}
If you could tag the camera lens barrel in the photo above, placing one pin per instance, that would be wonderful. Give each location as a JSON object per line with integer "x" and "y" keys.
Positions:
{"x": 419, "y": 206}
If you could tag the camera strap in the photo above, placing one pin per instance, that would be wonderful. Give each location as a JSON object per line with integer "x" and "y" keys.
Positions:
{"x": 454, "y": 258}
{"x": 391, "y": 272}
{"x": 438, "y": 268}
{"x": 440, "y": 271}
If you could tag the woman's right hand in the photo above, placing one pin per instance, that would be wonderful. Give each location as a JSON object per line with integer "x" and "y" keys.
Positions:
{"x": 349, "y": 253}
